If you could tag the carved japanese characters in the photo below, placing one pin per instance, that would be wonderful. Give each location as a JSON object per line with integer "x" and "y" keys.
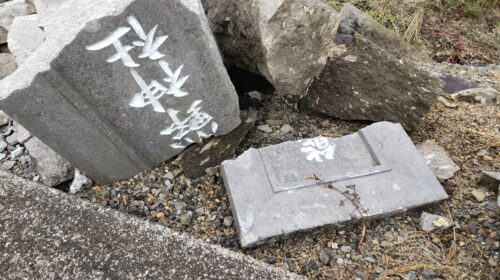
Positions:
{"x": 121, "y": 86}
{"x": 151, "y": 92}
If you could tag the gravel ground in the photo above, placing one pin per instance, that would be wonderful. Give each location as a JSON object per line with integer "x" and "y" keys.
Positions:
{"x": 395, "y": 248}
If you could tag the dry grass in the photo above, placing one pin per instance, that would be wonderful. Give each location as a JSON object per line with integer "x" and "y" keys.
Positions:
{"x": 455, "y": 31}
{"x": 420, "y": 251}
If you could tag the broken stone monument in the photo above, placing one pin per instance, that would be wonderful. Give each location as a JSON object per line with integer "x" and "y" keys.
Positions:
{"x": 196, "y": 159}
{"x": 8, "y": 11}
{"x": 310, "y": 183}
{"x": 287, "y": 42}
{"x": 369, "y": 83}
{"x": 123, "y": 85}
{"x": 24, "y": 37}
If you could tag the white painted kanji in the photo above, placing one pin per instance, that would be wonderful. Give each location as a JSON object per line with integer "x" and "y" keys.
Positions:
{"x": 195, "y": 122}
{"x": 148, "y": 42}
{"x": 151, "y": 91}
{"x": 121, "y": 50}
{"x": 318, "y": 149}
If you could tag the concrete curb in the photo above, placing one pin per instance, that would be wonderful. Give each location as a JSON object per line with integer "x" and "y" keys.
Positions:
{"x": 48, "y": 234}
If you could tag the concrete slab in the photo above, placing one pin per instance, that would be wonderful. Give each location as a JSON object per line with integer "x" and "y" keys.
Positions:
{"x": 301, "y": 185}
{"x": 127, "y": 85}
{"x": 46, "y": 234}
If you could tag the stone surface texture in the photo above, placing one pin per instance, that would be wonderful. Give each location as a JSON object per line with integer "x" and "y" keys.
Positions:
{"x": 487, "y": 95}
{"x": 80, "y": 181}
{"x": 490, "y": 179}
{"x": 352, "y": 20}
{"x": 7, "y": 64}
{"x": 197, "y": 158}
{"x": 23, "y": 134}
{"x": 455, "y": 84}
{"x": 84, "y": 113}
{"x": 44, "y": 8}
{"x": 287, "y": 42}
{"x": 369, "y": 83}
{"x": 24, "y": 37}
{"x": 46, "y": 234}
{"x": 430, "y": 222}
{"x": 438, "y": 159}
{"x": 8, "y": 11}
{"x": 282, "y": 189}
{"x": 52, "y": 168}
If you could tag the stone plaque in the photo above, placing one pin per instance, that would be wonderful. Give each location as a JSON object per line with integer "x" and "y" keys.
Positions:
{"x": 331, "y": 160}
{"x": 301, "y": 185}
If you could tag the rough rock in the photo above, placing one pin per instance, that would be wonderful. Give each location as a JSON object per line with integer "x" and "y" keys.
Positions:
{"x": 3, "y": 143}
{"x": 23, "y": 134}
{"x": 17, "y": 152}
{"x": 455, "y": 84}
{"x": 115, "y": 114}
{"x": 52, "y": 168}
{"x": 438, "y": 159}
{"x": 430, "y": 222}
{"x": 287, "y": 42}
{"x": 45, "y": 8}
{"x": 352, "y": 20}
{"x": 479, "y": 195}
{"x": 79, "y": 182}
{"x": 369, "y": 83}
{"x": 47, "y": 234}
{"x": 490, "y": 179}
{"x": 4, "y": 118}
{"x": 7, "y": 64}
{"x": 289, "y": 187}
{"x": 197, "y": 158}
{"x": 24, "y": 37}
{"x": 8, "y": 11}
{"x": 478, "y": 95}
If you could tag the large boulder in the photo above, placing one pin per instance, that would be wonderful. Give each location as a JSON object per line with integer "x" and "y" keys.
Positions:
{"x": 287, "y": 42}
{"x": 369, "y": 83}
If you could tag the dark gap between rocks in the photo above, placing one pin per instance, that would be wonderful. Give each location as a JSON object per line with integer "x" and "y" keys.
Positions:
{"x": 246, "y": 84}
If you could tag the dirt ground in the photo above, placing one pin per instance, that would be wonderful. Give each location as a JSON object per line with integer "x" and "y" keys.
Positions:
{"x": 394, "y": 247}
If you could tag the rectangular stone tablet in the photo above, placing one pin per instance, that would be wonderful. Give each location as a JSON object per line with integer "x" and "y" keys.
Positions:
{"x": 305, "y": 184}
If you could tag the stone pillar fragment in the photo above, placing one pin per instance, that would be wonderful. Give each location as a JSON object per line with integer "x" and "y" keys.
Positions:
{"x": 121, "y": 86}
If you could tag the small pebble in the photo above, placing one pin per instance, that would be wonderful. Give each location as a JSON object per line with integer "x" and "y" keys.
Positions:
{"x": 265, "y": 128}
{"x": 185, "y": 219}
{"x": 324, "y": 257}
{"x": 19, "y": 151}
{"x": 346, "y": 249}
{"x": 228, "y": 221}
